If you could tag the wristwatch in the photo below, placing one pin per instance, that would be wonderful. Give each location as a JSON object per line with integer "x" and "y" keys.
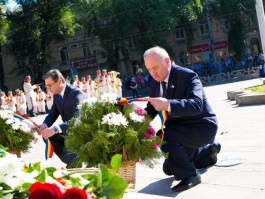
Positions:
{"x": 56, "y": 129}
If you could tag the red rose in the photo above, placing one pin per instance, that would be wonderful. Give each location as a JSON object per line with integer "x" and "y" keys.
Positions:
{"x": 75, "y": 193}
{"x": 44, "y": 191}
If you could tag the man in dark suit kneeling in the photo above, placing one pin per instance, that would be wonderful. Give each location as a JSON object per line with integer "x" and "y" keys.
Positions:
{"x": 65, "y": 101}
{"x": 191, "y": 126}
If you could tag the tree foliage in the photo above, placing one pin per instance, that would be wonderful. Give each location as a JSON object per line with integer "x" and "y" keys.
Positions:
{"x": 34, "y": 25}
{"x": 234, "y": 11}
{"x": 120, "y": 24}
{"x": 4, "y": 25}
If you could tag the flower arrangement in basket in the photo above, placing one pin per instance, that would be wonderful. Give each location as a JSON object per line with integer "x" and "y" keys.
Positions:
{"x": 103, "y": 128}
{"x": 14, "y": 134}
{"x": 20, "y": 181}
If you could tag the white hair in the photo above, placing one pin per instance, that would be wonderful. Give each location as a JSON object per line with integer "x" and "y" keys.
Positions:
{"x": 157, "y": 51}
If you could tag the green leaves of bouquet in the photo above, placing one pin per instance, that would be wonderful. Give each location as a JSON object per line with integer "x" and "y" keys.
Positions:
{"x": 14, "y": 134}
{"x": 102, "y": 128}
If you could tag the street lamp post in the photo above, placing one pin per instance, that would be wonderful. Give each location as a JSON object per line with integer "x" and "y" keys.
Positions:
{"x": 261, "y": 22}
{"x": 210, "y": 35}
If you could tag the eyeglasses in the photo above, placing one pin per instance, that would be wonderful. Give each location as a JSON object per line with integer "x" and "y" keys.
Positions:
{"x": 49, "y": 85}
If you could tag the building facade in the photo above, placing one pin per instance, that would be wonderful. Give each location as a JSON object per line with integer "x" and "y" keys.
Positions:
{"x": 84, "y": 55}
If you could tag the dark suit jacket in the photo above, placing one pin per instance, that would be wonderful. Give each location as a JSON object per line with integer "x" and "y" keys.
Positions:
{"x": 72, "y": 96}
{"x": 191, "y": 120}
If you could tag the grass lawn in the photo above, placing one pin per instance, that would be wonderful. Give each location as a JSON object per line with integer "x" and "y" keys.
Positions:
{"x": 257, "y": 89}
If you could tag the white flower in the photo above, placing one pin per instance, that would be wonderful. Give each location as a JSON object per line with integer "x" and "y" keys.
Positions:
{"x": 10, "y": 121}
{"x": 16, "y": 120}
{"x": 15, "y": 126}
{"x": 10, "y": 165}
{"x": 6, "y": 114}
{"x": 23, "y": 177}
{"x": 25, "y": 127}
{"x": 77, "y": 122}
{"x": 114, "y": 119}
{"x": 11, "y": 172}
{"x": 108, "y": 98}
{"x": 89, "y": 101}
{"x": 137, "y": 118}
{"x": 10, "y": 181}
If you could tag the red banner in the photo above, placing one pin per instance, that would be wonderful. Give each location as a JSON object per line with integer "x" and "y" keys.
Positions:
{"x": 206, "y": 47}
{"x": 84, "y": 62}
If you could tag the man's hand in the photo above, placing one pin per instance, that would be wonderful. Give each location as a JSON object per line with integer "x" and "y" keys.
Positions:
{"x": 42, "y": 127}
{"x": 159, "y": 103}
{"x": 48, "y": 132}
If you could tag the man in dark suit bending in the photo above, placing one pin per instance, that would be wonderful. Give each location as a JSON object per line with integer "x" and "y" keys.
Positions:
{"x": 65, "y": 101}
{"x": 191, "y": 126}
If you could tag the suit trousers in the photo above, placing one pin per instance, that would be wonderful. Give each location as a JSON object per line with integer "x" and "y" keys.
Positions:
{"x": 185, "y": 155}
{"x": 58, "y": 144}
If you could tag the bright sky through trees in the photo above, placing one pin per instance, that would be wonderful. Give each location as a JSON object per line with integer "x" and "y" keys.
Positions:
{"x": 11, "y": 4}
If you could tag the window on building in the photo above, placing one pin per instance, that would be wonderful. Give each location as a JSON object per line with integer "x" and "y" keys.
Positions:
{"x": 183, "y": 58}
{"x": 203, "y": 26}
{"x": 227, "y": 26}
{"x": 180, "y": 33}
{"x": 63, "y": 53}
{"x": 132, "y": 42}
{"x": 86, "y": 50}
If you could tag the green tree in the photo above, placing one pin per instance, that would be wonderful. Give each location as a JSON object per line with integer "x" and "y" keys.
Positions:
{"x": 34, "y": 25}
{"x": 120, "y": 23}
{"x": 3, "y": 29}
{"x": 236, "y": 13}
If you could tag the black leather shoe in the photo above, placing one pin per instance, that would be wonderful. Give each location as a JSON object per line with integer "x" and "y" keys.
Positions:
{"x": 187, "y": 183}
{"x": 216, "y": 148}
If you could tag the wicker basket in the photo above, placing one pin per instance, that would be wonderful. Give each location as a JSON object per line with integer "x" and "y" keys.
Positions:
{"x": 127, "y": 171}
{"x": 16, "y": 152}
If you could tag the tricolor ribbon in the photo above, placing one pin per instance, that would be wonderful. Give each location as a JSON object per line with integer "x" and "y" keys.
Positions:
{"x": 162, "y": 114}
{"x": 122, "y": 101}
{"x": 138, "y": 100}
{"x": 48, "y": 149}
{"x": 48, "y": 145}
{"x": 25, "y": 119}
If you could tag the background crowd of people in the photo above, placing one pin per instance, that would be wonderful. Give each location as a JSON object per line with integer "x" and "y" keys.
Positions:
{"x": 33, "y": 100}
{"x": 227, "y": 65}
